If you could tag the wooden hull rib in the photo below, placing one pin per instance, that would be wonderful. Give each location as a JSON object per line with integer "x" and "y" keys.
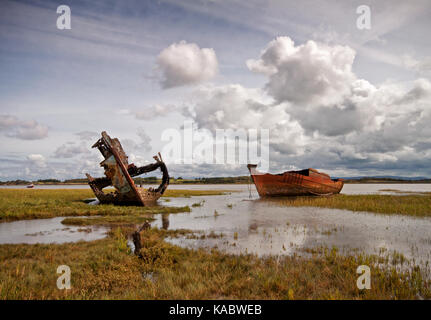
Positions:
{"x": 294, "y": 183}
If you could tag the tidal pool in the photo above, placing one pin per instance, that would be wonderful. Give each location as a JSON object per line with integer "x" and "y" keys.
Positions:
{"x": 237, "y": 223}
{"x": 47, "y": 231}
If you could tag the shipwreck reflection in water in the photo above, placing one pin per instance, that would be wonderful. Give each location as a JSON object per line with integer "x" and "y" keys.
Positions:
{"x": 165, "y": 221}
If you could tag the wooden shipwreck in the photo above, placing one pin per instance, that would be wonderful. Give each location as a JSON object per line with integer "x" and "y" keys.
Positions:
{"x": 294, "y": 183}
{"x": 119, "y": 174}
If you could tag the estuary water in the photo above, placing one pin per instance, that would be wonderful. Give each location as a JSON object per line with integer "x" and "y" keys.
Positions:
{"x": 371, "y": 188}
{"x": 240, "y": 222}
{"x": 47, "y": 231}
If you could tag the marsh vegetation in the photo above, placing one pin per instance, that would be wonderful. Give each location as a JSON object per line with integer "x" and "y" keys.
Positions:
{"x": 105, "y": 269}
{"x": 17, "y": 204}
{"x": 418, "y": 205}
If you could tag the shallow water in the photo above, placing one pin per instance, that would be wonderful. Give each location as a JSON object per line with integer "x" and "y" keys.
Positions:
{"x": 47, "y": 231}
{"x": 372, "y": 188}
{"x": 266, "y": 227}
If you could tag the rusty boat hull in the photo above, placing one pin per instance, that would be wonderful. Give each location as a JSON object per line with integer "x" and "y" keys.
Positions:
{"x": 119, "y": 174}
{"x": 307, "y": 182}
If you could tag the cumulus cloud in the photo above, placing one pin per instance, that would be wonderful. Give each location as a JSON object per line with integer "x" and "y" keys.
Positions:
{"x": 316, "y": 84}
{"x": 186, "y": 63}
{"x": 305, "y": 74}
{"x": 150, "y": 113}
{"x": 142, "y": 144}
{"x": 422, "y": 67}
{"x": 87, "y": 135}
{"x": 320, "y": 114}
{"x": 37, "y": 160}
{"x": 22, "y": 129}
{"x": 236, "y": 107}
{"x": 70, "y": 150}
{"x": 223, "y": 107}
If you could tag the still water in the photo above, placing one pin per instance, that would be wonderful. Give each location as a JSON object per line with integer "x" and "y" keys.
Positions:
{"x": 240, "y": 222}
{"x": 347, "y": 189}
{"x": 47, "y": 231}
{"x": 262, "y": 227}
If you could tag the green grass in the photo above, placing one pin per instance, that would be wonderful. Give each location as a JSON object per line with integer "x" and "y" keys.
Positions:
{"x": 198, "y": 204}
{"x": 411, "y": 205}
{"x": 17, "y": 204}
{"x": 105, "y": 269}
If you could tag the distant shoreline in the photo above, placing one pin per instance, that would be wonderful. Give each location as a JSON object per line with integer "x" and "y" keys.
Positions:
{"x": 388, "y": 182}
{"x": 191, "y": 182}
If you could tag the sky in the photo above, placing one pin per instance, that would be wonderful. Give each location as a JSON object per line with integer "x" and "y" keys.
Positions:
{"x": 333, "y": 96}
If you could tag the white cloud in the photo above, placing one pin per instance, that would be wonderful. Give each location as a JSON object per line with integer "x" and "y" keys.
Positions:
{"x": 145, "y": 138}
{"x": 422, "y": 67}
{"x": 149, "y": 113}
{"x": 185, "y": 63}
{"x": 37, "y": 160}
{"x": 87, "y": 135}
{"x": 344, "y": 122}
{"x": 306, "y": 74}
{"x": 226, "y": 106}
{"x": 70, "y": 150}
{"x": 137, "y": 146}
{"x": 22, "y": 129}
{"x": 236, "y": 107}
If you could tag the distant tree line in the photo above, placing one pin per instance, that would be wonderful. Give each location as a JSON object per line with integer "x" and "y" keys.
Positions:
{"x": 385, "y": 180}
{"x": 181, "y": 180}
{"x": 203, "y": 180}
{"x": 15, "y": 182}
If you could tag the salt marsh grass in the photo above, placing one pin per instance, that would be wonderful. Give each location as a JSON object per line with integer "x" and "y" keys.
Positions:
{"x": 411, "y": 205}
{"x": 105, "y": 269}
{"x": 16, "y": 204}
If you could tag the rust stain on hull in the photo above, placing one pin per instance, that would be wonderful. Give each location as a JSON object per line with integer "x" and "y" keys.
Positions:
{"x": 119, "y": 173}
{"x": 294, "y": 183}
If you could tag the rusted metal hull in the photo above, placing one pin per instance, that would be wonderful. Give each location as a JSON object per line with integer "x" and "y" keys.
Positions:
{"x": 294, "y": 183}
{"x": 119, "y": 174}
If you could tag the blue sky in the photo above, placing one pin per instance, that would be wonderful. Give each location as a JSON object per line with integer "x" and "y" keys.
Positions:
{"x": 60, "y": 88}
